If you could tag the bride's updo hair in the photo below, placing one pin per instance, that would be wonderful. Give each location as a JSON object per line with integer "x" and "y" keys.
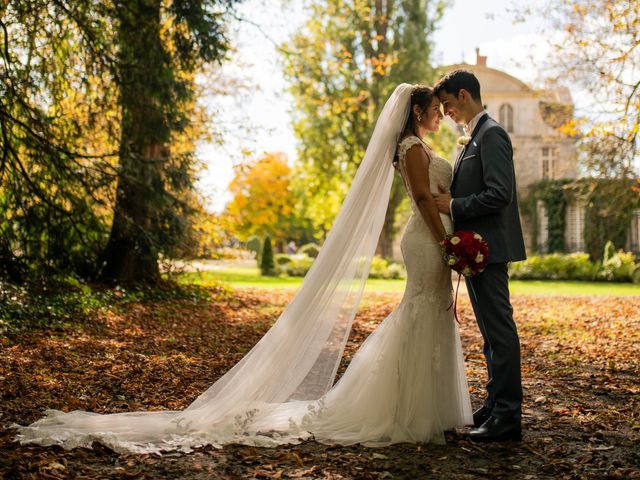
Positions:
{"x": 421, "y": 95}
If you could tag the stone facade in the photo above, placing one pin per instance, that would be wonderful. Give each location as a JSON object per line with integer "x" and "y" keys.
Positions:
{"x": 531, "y": 117}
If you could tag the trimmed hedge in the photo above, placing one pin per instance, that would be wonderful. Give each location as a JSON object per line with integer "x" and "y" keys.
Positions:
{"x": 617, "y": 267}
{"x": 298, "y": 265}
{"x": 282, "y": 259}
{"x": 382, "y": 268}
{"x": 310, "y": 250}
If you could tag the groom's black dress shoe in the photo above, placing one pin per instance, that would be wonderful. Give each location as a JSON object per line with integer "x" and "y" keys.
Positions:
{"x": 480, "y": 416}
{"x": 497, "y": 430}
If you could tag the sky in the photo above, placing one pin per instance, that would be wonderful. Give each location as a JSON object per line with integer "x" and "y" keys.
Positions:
{"x": 258, "y": 118}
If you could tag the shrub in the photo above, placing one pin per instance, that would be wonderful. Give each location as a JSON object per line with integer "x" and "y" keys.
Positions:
{"x": 282, "y": 259}
{"x": 382, "y": 268}
{"x": 555, "y": 266}
{"x": 267, "y": 267}
{"x": 396, "y": 270}
{"x": 617, "y": 266}
{"x": 298, "y": 266}
{"x": 310, "y": 249}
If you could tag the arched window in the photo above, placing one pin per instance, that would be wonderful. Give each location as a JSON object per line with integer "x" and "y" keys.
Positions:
{"x": 506, "y": 116}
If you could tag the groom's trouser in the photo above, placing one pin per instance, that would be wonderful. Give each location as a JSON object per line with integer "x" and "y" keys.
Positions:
{"x": 489, "y": 294}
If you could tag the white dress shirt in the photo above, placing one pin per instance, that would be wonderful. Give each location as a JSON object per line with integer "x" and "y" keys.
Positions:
{"x": 469, "y": 127}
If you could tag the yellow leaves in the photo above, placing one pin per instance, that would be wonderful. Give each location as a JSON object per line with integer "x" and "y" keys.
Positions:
{"x": 599, "y": 50}
{"x": 263, "y": 198}
{"x": 571, "y": 128}
{"x": 382, "y": 63}
{"x": 579, "y": 9}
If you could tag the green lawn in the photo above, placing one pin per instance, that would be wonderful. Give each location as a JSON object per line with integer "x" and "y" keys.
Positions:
{"x": 557, "y": 287}
{"x": 249, "y": 277}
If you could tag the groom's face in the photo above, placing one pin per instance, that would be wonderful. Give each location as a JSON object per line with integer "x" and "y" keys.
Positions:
{"x": 451, "y": 106}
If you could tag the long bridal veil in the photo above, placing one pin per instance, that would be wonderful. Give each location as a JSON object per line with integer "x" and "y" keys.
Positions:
{"x": 297, "y": 358}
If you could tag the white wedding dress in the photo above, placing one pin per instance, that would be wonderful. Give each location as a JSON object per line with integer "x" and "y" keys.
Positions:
{"x": 406, "y": 383}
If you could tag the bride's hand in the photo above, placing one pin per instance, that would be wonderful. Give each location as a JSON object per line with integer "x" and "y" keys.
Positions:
{"x": 443, "y": 200}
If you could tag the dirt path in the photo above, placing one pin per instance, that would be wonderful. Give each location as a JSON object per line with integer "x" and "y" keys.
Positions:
{"x": 580, "y": 367}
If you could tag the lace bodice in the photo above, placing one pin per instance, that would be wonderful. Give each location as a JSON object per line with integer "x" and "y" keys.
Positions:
{"x": 440, "y": 171}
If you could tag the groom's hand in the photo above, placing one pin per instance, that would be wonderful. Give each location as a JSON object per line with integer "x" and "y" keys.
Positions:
{"x": 443, "y": 200}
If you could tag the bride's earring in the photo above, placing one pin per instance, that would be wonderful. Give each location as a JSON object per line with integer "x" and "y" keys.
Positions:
{"x": 419, "y": 118}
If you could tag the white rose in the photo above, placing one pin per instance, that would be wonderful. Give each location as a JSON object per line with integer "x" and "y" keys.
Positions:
{"x": 479, "y": 258}
{"x": 452, "y": 261}
{"x": 477, "y": 236}
{"x": 455, "y": 240}
{"x": 466, "y": 271}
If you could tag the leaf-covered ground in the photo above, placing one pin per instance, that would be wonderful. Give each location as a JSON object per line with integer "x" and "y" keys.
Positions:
{"x": 580, "y": 366}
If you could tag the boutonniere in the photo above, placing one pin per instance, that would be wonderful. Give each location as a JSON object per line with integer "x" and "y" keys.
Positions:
{"x": 462, "y": 141}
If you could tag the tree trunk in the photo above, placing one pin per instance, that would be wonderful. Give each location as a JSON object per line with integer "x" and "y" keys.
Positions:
{"x": 145, "y": 83}
{"x": 387, "y": 235}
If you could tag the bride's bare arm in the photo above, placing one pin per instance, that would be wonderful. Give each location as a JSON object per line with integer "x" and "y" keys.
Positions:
{"x": 417, "y": 170}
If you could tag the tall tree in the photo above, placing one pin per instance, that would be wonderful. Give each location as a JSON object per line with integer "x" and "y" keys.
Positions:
{"x": 342, "y": 66}
{"x": 157, "y": 49}
{"x": 96, "y": 109}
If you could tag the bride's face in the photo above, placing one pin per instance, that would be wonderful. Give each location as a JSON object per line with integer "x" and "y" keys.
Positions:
{"x": 433, "y": 115}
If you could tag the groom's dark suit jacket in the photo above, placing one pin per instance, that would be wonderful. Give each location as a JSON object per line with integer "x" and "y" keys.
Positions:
{"x": 483, "y": 190}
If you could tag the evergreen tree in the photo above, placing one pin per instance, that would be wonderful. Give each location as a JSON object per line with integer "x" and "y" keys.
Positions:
{"x": 153, "y": 87}
{"x": 96, "y": 102}
{"x": 267, "y": 265}
{"x": 57, "y": 111}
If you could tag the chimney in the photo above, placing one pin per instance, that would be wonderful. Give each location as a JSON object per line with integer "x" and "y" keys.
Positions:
{"x": 481, "y": 60}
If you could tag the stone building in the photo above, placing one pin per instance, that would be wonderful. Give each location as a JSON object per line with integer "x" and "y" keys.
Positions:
{"x": 540, "y": 151}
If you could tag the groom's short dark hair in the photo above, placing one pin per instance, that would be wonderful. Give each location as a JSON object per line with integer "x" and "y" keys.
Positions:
{"x": 455, "y": 81}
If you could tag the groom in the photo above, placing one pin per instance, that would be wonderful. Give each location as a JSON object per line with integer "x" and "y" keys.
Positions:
{"x": 483, "y": 199}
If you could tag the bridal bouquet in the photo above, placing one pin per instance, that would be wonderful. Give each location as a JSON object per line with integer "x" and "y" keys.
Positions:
{"x": 466, "y": 253}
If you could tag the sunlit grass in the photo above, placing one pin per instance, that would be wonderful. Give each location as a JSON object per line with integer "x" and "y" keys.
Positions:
{"x": 249, "y": 277}
{"x": 565, "y": 287}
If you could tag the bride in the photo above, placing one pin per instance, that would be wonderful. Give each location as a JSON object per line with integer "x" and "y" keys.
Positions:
{"x": 406, "y": 383}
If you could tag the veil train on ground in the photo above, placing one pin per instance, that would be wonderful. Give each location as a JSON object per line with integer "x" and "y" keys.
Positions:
{"x": 297, "y": 358}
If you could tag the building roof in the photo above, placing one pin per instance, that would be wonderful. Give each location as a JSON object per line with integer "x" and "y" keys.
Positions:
{"x": 497, "y": 82}
{"x": 492, "y": 80}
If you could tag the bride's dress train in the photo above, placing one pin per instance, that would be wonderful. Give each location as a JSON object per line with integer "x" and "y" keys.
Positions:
{"x": 406, "y": 383}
